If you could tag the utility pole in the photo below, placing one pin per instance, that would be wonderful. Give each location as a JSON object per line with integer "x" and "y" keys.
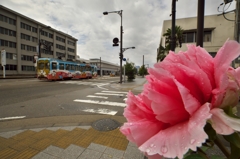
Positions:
{"x": 143, "y": 66}
{"x": 100, "y": 68}
{"x": 173, "y": 38}
{"x": 237, "y": 21}
{"x": 200, "y": 23}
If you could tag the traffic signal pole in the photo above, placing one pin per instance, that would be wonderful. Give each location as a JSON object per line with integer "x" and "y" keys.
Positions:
{"x": 121, "y": 51}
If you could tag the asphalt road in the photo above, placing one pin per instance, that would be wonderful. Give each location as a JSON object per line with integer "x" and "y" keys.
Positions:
{"x": 33, "y": 98}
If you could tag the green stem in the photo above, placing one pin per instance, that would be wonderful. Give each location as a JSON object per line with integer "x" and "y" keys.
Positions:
{"x": 221, "y": 147}
{"x": 202, "y": 153}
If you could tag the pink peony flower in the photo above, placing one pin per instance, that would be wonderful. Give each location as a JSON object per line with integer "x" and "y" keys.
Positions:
{"x": 183, "y": 93}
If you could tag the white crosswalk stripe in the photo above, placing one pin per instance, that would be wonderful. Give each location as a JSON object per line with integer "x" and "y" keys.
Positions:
{"x": 104, "y": 96}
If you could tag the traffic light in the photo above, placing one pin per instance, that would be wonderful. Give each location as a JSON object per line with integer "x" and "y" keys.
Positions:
{"x": 115, "y": 42}
{"x": 120, "y": 56}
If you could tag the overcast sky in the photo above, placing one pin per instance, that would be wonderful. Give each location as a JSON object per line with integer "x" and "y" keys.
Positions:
{"x": 84, "y": 20}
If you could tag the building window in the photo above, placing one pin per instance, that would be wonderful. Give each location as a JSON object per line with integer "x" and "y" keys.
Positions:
{"x": 11, "y": 56}
{"x": 70, "y": 49}
{"x": 34, "y": 39}
{"x": 7, "y": 31}
{"x": 60, "y": 39}
{"x": 50, "y": 35}
{"x": 71, "y": 43}
{"x": 26, "y": 26}
{"x": 26, "y": 58}
{"x": 190, "y": 37}
{"x": 60, "y": 47}
{"x": 10, "y": 67}
{"x": 34, "y": 29}
{"x": 7, "y": 19}
{"x": 59, "y": 54}
{"x": 71, "y": 57}
{"x": 207, "y": 36}
{"x": 28, "y": 68}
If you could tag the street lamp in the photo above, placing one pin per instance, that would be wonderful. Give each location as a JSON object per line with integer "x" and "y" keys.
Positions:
{"x": 124, "y": 49}
{"x": 121, "y": 40}
{"x": 39, "y": 41}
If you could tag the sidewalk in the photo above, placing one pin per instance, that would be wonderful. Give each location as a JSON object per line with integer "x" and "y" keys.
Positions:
{"x": 76, "y": 142}
{"x": 136, "y": 85}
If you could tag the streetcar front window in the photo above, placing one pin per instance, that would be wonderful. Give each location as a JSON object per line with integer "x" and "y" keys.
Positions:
{"x": 40, "y": 65}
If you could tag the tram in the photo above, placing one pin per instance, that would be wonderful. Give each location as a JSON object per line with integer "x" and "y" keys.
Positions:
{"x": 57, "y": 69}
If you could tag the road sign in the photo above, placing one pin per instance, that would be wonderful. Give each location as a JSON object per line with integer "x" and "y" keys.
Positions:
{"x": 3, "y": 57}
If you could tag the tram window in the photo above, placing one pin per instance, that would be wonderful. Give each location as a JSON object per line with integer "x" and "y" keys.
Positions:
{"x": 54, "y": 66}
{"x": 40, "y": 65}
{"x": 72, "y": 67}
{"x": 61, "y": 66}
{"x": 67, "y": 66}
{"x": 81, "y": 68}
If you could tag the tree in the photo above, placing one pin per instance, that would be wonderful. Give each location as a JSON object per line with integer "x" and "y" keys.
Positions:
{"x": 130, "y": 70}
{"x": 161, "y": 53}
{"x": 168, "y": 35}
{"x": 142, "y": 71}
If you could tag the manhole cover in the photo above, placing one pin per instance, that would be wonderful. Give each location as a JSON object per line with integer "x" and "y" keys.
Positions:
{"x": 105, "y": 125}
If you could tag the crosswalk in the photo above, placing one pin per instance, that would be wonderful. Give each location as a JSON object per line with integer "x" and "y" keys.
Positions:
{"x": 102, "y": 100}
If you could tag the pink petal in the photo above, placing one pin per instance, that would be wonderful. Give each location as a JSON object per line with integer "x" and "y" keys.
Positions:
{"x": 203, "y": 59}
{"x": 228, "y": 52}
{"x": 222, "y": 123}
{"x": 176, "y": 140}
{"x": 140, "y": 131}
{"x": 191, "y": 76}
{"x": 137, "y": 108}
{"x": 190, "y": 103}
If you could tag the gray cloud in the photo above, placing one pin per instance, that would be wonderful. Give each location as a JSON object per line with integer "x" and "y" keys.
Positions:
{"x": 84, "y": 20}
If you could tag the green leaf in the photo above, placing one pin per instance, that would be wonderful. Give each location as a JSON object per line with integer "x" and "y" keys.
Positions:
{"x": 217, "y": 157}
{"x": 233, "y": 139}
{"x": 234, "y": 152}
{"x": 195, "y": 156}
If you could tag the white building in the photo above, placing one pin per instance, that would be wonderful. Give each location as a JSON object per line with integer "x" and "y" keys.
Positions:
{"x": 216, "y": 31}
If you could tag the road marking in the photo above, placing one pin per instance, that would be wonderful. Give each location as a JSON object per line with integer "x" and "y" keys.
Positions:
{"x": 101, "y": 102}
{"x": 99, "y": 85}
{"x": 109, "y": 94}
{"x": 114, "y": 92}
{"x": 15, "y": 117}
{"x": 91, "y": 96}
{"x": 101, "y": 111}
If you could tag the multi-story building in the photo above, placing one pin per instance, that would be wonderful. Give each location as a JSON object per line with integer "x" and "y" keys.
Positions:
{"x": 19, "y": 36}
{"x": 217, "y": 30}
